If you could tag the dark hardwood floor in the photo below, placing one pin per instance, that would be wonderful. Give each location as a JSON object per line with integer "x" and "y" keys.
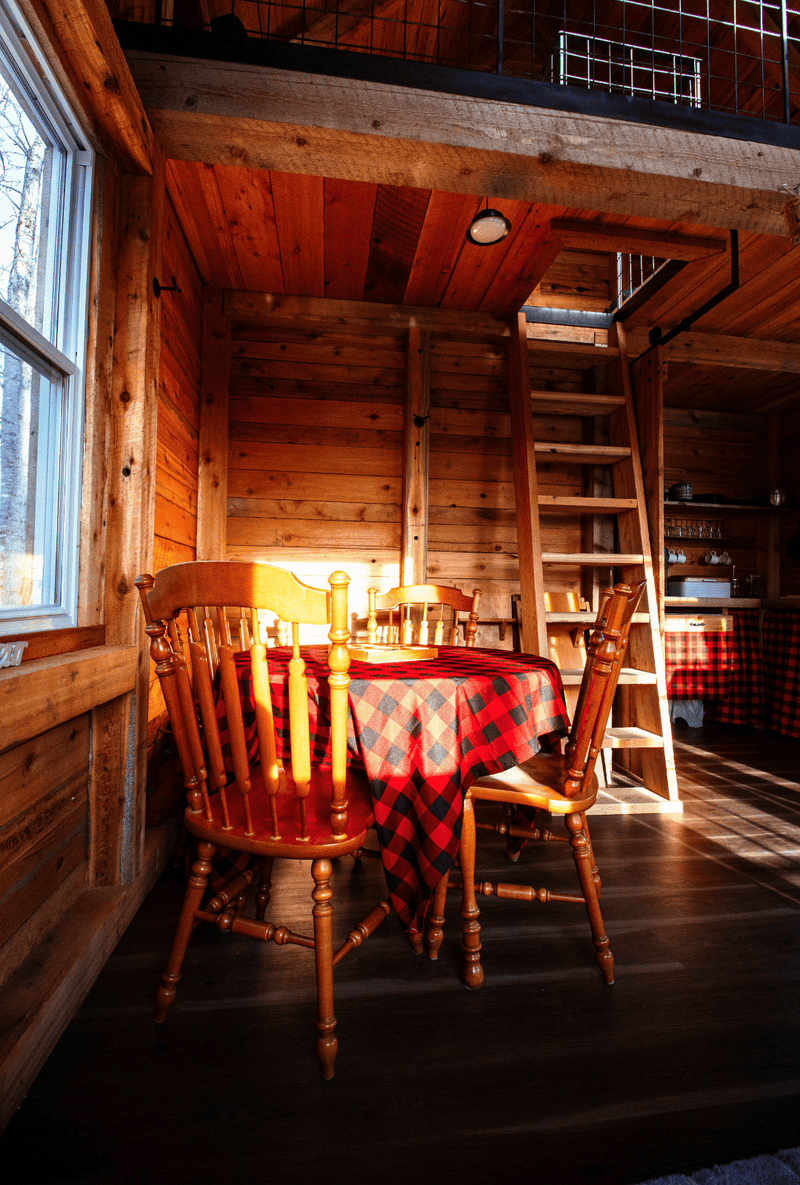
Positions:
{"x": 546, "y": 1074}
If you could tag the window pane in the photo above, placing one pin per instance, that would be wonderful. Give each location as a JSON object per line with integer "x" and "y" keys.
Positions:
{"x": 31, "y": 482}
{"x": 29, "y": 215}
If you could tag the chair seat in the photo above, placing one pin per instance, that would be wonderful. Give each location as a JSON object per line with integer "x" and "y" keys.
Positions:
{"x": 538, "y": 783}
{"x": 360, "y": 817}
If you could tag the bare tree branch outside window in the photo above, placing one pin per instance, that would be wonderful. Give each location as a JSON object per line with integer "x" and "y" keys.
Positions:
{"x": 23, "y": 159}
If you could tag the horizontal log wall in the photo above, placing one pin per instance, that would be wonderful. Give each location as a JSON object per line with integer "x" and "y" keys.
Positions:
{"x": 789, "y": 469}
{"x": 43, "y": 827}
{"x": 720, "y": 454}
{"x": 316, "y": 457}
{"x": 175, "y": 525}
{"x": 576, "y": 280}
{"x": 178, "y": 402}
{"x": 315, "y": 474}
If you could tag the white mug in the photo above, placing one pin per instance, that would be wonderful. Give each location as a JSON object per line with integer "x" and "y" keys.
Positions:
{"x": 680, "y": 557}
{"x": 712, "y": 558}
{"x": 724, "y": 558}
{"x": 672, "y": 558}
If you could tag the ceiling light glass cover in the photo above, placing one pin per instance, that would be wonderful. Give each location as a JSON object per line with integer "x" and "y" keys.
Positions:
{"x": 487, "y": 227}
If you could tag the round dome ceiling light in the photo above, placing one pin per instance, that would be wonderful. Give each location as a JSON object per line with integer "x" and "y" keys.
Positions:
{"x": 487, "y": 227}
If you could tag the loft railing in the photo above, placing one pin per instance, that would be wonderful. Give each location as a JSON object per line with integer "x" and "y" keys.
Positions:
{"x": 735, "y": 56}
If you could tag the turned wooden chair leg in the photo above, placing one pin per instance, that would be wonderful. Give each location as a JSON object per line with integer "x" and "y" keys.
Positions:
{"x": 583, "y": 863}
{"x": 264, "y": 891}
{"x": 472, "y": 972}
{"x": 436, "y": 917}
{"x": 191, "y": 902}
{"x": 513, "y": 845}
{"x": 595, "y": 869}
{"x": 327, "y": 1041}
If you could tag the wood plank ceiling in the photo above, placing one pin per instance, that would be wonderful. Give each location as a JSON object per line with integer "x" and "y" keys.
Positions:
{"x": 283, "y": 233}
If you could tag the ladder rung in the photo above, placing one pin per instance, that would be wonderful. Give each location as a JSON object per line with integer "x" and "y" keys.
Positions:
{"x": 595, "y": 559}
{"x": 596, "y": 505}
{"x": 631, "y": 737}
{"x": 585, "y": 350}
{"x": 584, "y": 617}
{"x": 570, "y": 403}
{"x": 627, "y": 675}
{"x": 582, "y": 454}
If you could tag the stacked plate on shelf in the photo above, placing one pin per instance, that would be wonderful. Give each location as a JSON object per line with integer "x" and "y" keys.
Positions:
{"x": 682, "y": 491}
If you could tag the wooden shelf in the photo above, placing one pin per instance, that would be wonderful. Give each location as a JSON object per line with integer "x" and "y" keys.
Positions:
{"x": 584, "y": 617}
{"x": 723, "y": 507}
{"x": 699, "y": 603}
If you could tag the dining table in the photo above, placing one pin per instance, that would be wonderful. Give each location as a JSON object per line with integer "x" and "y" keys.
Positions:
{"x": 424, "y": 730}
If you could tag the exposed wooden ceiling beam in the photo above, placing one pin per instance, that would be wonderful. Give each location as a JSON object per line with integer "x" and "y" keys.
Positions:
{"x": 595, "y": 236}
{"x": 713, "y": 349}
{"x": 383, "y": 318}
{"x": 263, "y": 117}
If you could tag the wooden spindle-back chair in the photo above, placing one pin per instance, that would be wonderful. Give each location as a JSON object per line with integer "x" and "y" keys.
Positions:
{"x": 559, "y": 784}
{"x": 431, "y": 628}
{"x": 243, "y": 794}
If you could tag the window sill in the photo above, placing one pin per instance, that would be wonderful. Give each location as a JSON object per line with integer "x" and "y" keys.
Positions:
{"x": 46, "y": 692}
{"x": 47, "y": 643}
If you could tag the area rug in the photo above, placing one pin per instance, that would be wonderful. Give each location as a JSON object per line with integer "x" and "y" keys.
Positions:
{"x": 782, "y": 1168}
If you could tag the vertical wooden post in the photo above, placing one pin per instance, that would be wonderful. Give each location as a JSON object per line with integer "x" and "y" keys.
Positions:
{"x": 526, "y": 492}
{"x": 416, "y": 437}
{"x": 94, "y": 482}
{"x": 212, "y": 466}
{"x": 647, "y": 375}
{"x": 119, "y": 729}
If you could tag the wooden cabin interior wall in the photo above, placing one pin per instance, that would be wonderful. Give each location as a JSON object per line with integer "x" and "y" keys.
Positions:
{"x": 315, "y": 477}
{"x": 177, "y": 436}
{"x": 790, "y": 519}
{"x": 725, "y": 456}
{"x": 316, "y": 459}
{"x": 181, "y": 315}
{"x": 314, "y": 413}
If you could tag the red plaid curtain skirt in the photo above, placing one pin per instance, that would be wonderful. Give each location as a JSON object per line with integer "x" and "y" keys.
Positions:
{"x": 753, "y": 671}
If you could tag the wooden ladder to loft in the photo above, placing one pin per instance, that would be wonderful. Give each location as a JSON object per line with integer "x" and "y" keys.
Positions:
{"x": 603, "y": 510}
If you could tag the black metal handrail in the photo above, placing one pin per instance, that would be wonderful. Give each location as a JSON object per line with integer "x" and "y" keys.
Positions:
{"x": 744, "y": 59}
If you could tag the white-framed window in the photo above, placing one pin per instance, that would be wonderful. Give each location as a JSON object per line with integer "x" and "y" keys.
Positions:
{"x": 45, "y": 199}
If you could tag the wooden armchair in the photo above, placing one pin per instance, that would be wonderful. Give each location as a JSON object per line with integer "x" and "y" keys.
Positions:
{"x": 255, "y": 801}
{"x": 429, "y": 631}
{"x": 232, "y": 628}
{"x": 561, "y": 785}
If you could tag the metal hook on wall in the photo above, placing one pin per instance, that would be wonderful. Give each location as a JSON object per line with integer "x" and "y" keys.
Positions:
{"x": 159, "y": 288}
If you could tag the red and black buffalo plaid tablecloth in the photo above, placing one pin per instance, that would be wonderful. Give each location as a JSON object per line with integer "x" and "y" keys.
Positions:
{"x": 425, "y": 731}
